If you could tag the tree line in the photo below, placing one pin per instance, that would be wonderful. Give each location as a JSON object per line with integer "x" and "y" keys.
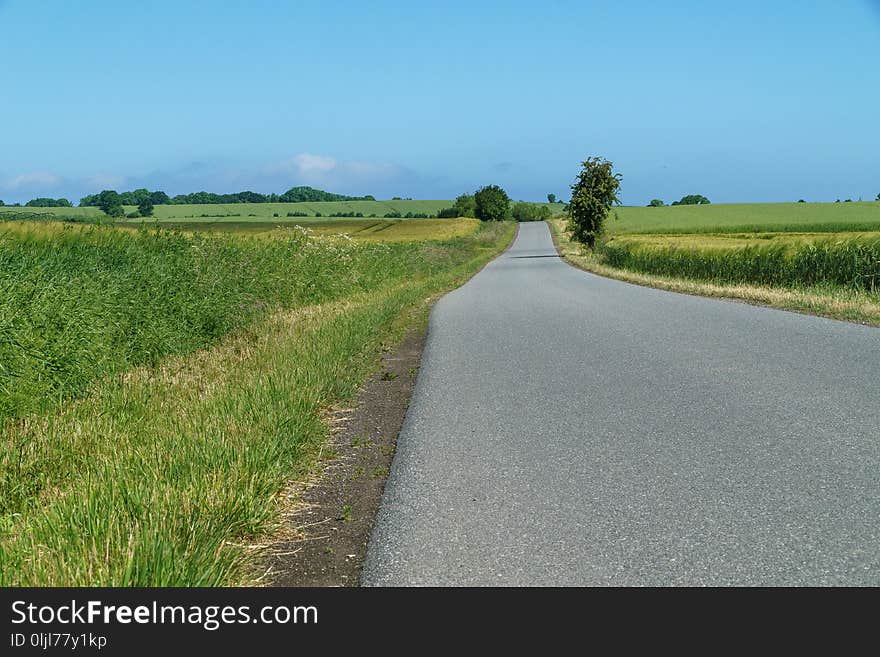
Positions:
{"x": 690, "y": 199}
{"x": 301, "y": 194}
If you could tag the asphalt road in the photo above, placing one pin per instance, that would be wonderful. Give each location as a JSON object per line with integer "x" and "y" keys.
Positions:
{"x": 567, "y": 429}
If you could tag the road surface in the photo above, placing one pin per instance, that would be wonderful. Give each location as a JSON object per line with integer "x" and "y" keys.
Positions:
{"x": 568, "y": 429}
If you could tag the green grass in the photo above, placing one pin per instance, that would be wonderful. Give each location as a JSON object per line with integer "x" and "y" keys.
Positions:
{"x": 747, "y": 218}
{"x": 168, "y": 473}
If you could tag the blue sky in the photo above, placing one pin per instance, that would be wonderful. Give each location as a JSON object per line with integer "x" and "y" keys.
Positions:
{"x": 746, "y": 101}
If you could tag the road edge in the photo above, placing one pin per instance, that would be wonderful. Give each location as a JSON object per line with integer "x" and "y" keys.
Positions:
{"x": 331, "y": 524}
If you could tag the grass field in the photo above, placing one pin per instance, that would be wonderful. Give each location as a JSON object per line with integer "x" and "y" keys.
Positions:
{"x": 747, "y": 218}
{"x": 159, "y": 389}
{"x": 819, "y": 258}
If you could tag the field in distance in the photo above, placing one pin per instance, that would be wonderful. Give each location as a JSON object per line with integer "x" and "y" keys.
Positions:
{"x": 248, "y": 211}
{"x": 365, "y": 230}
{"x": 748, "y": 218}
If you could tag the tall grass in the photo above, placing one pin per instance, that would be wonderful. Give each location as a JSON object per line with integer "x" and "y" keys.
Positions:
{"x": 80, "y": 303}
{"x": 852, "y": 263}
{"x": 166, "y": 473}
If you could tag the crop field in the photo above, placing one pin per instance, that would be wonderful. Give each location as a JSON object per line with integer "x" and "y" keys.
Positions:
{"x": 748, "y": 218}
{"x": 158, "y": 389}
{"x": 850, "y": 260}
{"x": 819, "y": 257}
{"x": 371, "y": 230}
{"x": 243, "y": 211}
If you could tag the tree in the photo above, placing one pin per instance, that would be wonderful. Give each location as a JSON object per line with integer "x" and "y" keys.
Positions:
{"x": 878, "y": 197}
{"x": 692, "y": 199}
{"x": 135, "y": 197}
{"x": 551, "y": 198}
{"x": 145, "y": 207}
{"x": 593, "y": 193}
{"x": 800, "y": 200}
{"x": 491, "y": 203}
{"x": 159, "y": 198}
{"x": 48, "y": 203}
{"x": 110, "y": 203}
{"x": 656, "y": 203}
{"x": 464, "y": 206}
{"x": 523, "y": 211}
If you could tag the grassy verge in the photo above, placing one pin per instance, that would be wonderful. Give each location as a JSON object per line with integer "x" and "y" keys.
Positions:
{"x": 163, "y": 475}
{"x": 825, "y": 299}
{"x": 78, "y": 303}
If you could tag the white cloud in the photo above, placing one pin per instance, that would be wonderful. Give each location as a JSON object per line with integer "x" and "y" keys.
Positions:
{"x": 308, "y": 163}
{"x": 32, "y": 179}
{"x": 323, "y": 170}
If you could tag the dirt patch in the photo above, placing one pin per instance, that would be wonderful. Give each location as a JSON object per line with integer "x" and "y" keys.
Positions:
{"x": 334, "y": 518}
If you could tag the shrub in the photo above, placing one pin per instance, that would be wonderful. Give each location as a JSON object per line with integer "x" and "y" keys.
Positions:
{"x": 656, "y": 203}
{"x": 133, "y": 215}
{"x": 447, "y": 213}
{"x": 464, "y": 206}
{"x": 491, "y": 203}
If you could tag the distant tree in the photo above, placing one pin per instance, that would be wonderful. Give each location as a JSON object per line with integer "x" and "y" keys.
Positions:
{"x": 306, "y": 194}
{"x": 2, "y": 203}
{"x": 464, "y": 206}
{"x": 551, "y": 198}
{"x": 145, "y": 207}
{"x": 592, "y": 194}
{"x": 110, "y": 203}
{"x": 135, "y": 197}
{"x": 878, "y": 197}
{"x": 491, "y": 203}
{"x": 48, "y": 203}
{"x": 656, "y": 203}
{"x": 692, "y": 199}
{"x": 523, "y": 211}
{"x": 800, "y": 200}
{"x": 159, "y": 198}
{"x": 849, "y": 200}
